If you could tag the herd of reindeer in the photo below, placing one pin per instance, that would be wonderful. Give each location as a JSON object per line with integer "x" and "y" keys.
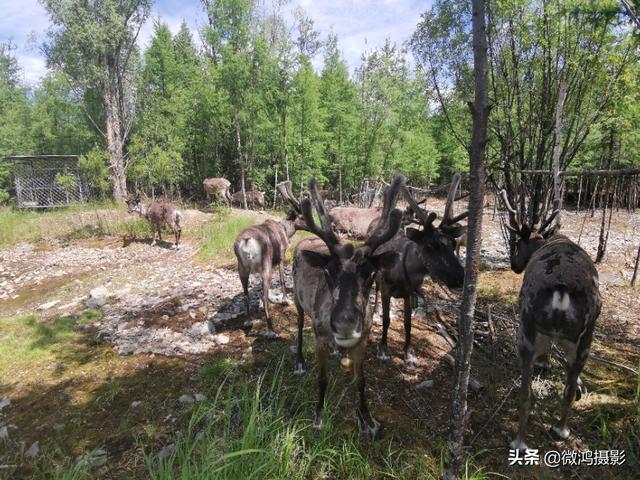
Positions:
{"x": 333, "y": 279}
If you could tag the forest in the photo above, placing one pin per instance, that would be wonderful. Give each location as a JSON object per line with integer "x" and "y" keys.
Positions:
{"x": 243, "y": 100}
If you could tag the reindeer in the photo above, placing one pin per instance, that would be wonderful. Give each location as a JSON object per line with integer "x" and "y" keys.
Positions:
{"x": 353, "y": 221}
{"x": 429, "y": 251}
{"x": 157, "y": 213}
{"x": 259, "y": 248}
{"x": 559, "y": 301}
{"x": 253, "y": 198}
{"x": 332, "y": 285}
{"x": 217, "y": 187}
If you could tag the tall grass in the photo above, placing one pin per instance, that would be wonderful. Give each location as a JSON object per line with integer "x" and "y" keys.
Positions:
{"x": 217, "y": 237}
{"x": 263, "y": 429}
{"x": 69, "y": 223}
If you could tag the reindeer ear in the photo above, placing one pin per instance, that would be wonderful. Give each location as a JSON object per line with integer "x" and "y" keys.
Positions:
{"x": 384, "y": 260}
{"x": 315, "y": 259}
{"x": 414, "y": 234}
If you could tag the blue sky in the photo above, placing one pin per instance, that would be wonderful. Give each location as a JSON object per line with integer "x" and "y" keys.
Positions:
{"x": 360, "y": 24}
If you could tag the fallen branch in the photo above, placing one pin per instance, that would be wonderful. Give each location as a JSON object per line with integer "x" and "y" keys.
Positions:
{"x": 600, "y": 359}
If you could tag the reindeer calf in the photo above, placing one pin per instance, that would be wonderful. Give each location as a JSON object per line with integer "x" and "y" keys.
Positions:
{"x": 158, "y": 213}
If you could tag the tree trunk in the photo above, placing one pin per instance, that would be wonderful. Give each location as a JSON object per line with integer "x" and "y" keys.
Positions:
{"x": 557, "y": 181}
{"x": 115, "y": 141}
{"x": 236, "y": 124}
{"x": 635, "y": 268}
{"x": 464, "y": 348}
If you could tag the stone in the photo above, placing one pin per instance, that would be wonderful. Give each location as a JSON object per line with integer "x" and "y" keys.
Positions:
{"x": 186, "y": 399}
{"x": 199, "y": 397}
{"x": 48, "y": 305}
{"x": 4, "y": 433}
{"x": 5, "y": 402}
{"x": 97, "y": 298}
{"x": 166, "y": 451}
{"x": 33, "y": 451}
{"x": 58, "y": 426}
{"x": 425, "y": 384}
{"x": 221, "y": 339}
{"x": 135, "y": 404}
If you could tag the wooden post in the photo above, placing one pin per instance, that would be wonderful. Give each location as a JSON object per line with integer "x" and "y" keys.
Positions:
{"x": 635, "y": 269}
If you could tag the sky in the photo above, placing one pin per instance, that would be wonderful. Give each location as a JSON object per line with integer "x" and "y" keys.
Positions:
{"x": 360, "y": 25}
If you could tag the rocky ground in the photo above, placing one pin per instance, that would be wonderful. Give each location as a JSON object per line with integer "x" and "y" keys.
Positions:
{"x": 159, "y": 301}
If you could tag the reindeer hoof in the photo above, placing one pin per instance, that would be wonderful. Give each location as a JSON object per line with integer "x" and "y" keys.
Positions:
{"x": 382, "y": 354}
{"x": 299, "y": 371}
{"x": 371, "y": 429}
{"x": 561, "y": 433}
{"x": 581, "y": 390}
{"x": 411, "y": 360}
{"x": 271, "y": 335}
{"x": 518, "y": 444}
{"x": 317, "y": 422}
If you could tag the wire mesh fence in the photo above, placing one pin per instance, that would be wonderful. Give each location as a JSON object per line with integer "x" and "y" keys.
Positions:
{"x": 47, "y": 181}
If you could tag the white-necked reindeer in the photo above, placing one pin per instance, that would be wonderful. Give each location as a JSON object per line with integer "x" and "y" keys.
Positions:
{"x": 158, "y": 213}
{"x": 559, "y": 301}
{"x": 332, "y": 282}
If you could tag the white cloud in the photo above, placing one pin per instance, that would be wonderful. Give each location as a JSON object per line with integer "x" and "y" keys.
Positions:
{"x": 354, "y": 21}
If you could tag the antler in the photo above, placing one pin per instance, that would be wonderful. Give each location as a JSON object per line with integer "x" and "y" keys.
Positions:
{"x": 447, "y": 218}
{"x": 325, "y": 231}
{"x": 514, "y": 225}
{"x": 551, "y": 217}
{"x": 389, "y": 220}
{"x": 424, "y": 217}
{"x": 285, "y": 190}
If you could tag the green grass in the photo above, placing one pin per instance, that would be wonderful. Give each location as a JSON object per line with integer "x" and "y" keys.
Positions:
{"x": 262, "y": 429}
{"x": 217, "y": 237}
{"x": 69, "y": 223}
{"x": 28, "y": 341}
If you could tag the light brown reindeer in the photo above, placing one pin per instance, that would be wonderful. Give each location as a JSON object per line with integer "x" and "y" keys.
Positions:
{"x": 353, "y": 221}
{"x": 158, "y": 213}
{"x": 217, "y": 188}
{"x": 332, "y": 283}
{"x": 253, "y": 198}
{"x": 259, "y": 248}
{"x": 559, "y": 301}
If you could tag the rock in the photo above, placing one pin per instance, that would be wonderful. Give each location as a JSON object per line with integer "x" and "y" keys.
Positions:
{"x": 5, "y": 402}
{"x": 48, "y": 305}
{"x": 167, "y": 450}
{"x": 425, "y": 384}
{"x": 97, "y": 298}
{"x": 4, "y": 433}
{"x": 199, "y": 397}
{"x": 221, "y": 339}
{"x": 58, "y": 427}
{"x": 186, "y": 399}
{"x": 135, "y": 404}
{"x": 97, "y": 458}
{"x": 34, "y": 450}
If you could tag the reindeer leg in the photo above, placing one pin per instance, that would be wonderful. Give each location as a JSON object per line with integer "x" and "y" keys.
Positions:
{"x": 577, "y": 355}
{"x": 266, "y": 282}
{"x": 527, "y": 351}
{"x": 244, "y": 279}
{"x": 282, "y": 282}
{"x": 322, "y": 357}
{"x": 383, "y": 356}
{"x": 369, "y": 426}
{"x": 153, "y": 235}
{"x": 299, "y": 370}
{"x": 409, "y": 357}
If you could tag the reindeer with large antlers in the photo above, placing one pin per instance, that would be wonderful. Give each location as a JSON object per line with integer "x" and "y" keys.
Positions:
{"x": 429, "y": 251}
{"x": 559, "y": 301}
{"x": 259, "y": 248}
{"x": 332, "y": 285}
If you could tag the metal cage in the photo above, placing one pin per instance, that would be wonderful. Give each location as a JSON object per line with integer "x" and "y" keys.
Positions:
{"x": 47, "y": 181}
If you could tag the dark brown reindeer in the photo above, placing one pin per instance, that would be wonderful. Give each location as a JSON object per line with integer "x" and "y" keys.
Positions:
{"x": 253, "y": 198}
{"x": 332, "y": 285}
{"x": 559, "y": 301}
{"x": 429, "y": 251}
{"x": 217, "y": 188}
{"x": 259, "y": 248}
{"x": 158, "y": 213}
